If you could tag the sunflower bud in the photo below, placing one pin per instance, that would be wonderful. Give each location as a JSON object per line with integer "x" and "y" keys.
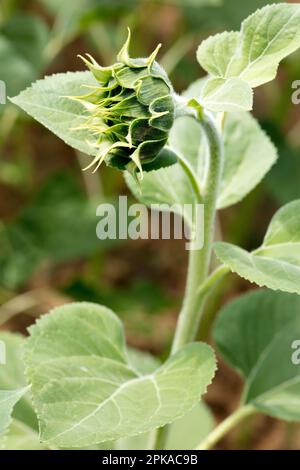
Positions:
{"x": 130, "y": 112}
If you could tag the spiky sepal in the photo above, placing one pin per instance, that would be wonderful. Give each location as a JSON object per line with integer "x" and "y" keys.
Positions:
{"x": 130, "y": 110}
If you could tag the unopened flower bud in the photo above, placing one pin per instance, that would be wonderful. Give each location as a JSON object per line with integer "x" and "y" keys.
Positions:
{"x": 130, "y": 111}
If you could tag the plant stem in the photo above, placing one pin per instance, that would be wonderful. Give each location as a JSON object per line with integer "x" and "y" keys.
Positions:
{"x": 212, "y": 279}
{"x": 191, "y": 176}
{"x": 225, "y": 426}
{"x": 198, "y": 283}
{"x": 158, "y": 438}
{"x": 199, "y": 259}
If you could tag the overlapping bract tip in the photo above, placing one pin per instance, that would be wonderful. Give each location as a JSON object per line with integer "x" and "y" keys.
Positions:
{"x": 130, "y": 110}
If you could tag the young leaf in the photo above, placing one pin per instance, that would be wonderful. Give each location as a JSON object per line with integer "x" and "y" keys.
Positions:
{"x": 253, "y": 54}
{"x": 249, "y": 154}
{"x": 215, "y": 53}
{"x": 255, "y": 333}
{"x": 276, "y": 264}
{"x": 47, "y": 101}
{"x": 282, "y": 239}
{"x": 230, "y": 95}
{"x": 85, "y": 389}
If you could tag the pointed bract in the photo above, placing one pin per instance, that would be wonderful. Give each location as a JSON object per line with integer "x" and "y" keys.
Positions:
{"x": 130, "y": 112}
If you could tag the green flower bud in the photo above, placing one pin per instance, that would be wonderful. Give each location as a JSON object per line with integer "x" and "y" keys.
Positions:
{"x": 131, "y": 112}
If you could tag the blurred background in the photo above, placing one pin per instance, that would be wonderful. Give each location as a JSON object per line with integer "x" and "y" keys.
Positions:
{"x": 49, "y": 253}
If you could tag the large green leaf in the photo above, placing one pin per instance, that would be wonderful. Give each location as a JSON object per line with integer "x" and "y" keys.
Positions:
{"x": 249, "y": 154}
{"x": 22, "y": 433}
{"x": 255, "y": 334}
{"x": 86, "y": 391}
{"x": 276, "y": 264}
{"x": 46, "y": 100}
{"x": 184, "y": 433}
{"x": 253, "y": 54}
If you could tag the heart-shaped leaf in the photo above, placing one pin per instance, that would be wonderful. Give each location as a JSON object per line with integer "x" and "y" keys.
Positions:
{"x": 85, "y": 389}
{"x": 276, "y": 264}
{"x": 256, "y": 334}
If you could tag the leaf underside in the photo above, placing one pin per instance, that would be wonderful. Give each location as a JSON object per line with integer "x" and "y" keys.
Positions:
{"x": 86, "y": 391}
{"x": 276, "y": 264}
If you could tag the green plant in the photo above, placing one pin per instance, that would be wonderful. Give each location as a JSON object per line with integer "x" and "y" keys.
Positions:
{"x": 86, "y": 387}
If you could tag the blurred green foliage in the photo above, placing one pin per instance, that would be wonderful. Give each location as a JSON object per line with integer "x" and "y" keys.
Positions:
{"x": 58, "y": 225}
{"x": 48, "y": 218}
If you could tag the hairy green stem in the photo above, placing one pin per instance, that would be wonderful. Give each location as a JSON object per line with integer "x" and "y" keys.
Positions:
{"x": 158, "y": 438}
{"x": 199, "y": 259}
{"x": 225, "y": 426}
{"x": 198, "y": 283}
{"x": 191, "y": 176}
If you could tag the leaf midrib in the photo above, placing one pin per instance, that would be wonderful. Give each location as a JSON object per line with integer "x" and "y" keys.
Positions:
{"x": 103, "y": 403}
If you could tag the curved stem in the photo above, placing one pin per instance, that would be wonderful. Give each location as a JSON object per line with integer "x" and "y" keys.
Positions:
{"x": 198, "y": 284}
{"x": 199, "y": 259}
{"x": 191, "y": 176}
{"x": 225, "y": 426}
{"x": 158, "y": 438}
{"x": 212, "y": 279}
